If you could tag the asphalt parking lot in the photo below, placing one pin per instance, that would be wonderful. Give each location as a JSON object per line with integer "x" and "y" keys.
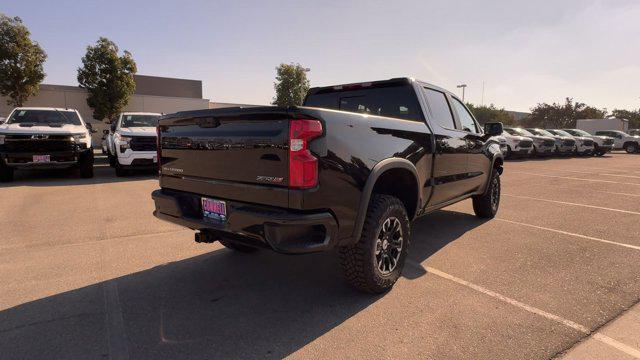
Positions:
{"x": 87, "y": 272}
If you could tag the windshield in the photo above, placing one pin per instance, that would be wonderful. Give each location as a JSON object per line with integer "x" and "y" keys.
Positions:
{"x": 577, "y": 132}
{"x": 139, "y": 121}
{"x": 518, "y": 131}
{"x": 44, "y": 117}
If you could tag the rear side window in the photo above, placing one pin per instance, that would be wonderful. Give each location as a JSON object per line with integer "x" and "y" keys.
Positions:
{"x": 440, "y": 111}
{"x": 392, "y": 101}
{"x": 466, "y": 120}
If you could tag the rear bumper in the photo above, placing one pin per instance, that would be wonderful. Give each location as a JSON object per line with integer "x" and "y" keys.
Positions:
{"x": 280, "y": 229}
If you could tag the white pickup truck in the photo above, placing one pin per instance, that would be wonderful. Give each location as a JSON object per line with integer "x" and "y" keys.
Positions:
{"x": 45, "y": 138}
{"x": 622, "y": 140}
{"x": 131, "y": 142}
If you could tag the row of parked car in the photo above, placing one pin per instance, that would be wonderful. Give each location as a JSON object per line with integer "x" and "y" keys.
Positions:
{"x": 523, "y": 142}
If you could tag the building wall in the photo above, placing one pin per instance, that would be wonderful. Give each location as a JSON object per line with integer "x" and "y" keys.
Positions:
{"x": 170, "y": 87}
{"x": 75, "y": 98}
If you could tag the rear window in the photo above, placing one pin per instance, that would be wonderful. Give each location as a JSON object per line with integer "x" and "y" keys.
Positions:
{"x": 393, "y": 101}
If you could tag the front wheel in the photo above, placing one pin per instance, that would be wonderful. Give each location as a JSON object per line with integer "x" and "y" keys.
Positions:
{"x": 120, "y": 171}
{"x": 486, "y": 205}
{"x": 6, "y": 173}
{"x": 375, "y": 262}
{"x": 631, "y": 148}
{"x": 86, "y": 169}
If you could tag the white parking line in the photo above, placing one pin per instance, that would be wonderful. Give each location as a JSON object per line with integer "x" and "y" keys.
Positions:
{"x": 574, "y": 204}
{"x": 573, "y": 178}
{"x": 617, "y": 344}
{"x": 601, "y": 174}
{"x": 571, "y": 234}
{"x": 578, "y": 327}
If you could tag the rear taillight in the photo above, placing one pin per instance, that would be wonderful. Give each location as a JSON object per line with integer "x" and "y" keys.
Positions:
{"x": 159, "y": 149}
{"x": 303, "y": 166}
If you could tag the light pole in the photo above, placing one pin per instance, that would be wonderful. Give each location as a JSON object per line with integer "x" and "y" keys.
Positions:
{"x": 463, "y": 86}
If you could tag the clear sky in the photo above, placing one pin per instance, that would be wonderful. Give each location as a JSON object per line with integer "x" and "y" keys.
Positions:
{"x": 525, "y": 51}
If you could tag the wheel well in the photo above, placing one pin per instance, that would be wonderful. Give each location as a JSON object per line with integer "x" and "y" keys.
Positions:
{"x": 402, "y": 184}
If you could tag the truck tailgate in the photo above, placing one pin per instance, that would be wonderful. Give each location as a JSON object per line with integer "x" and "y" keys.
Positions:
{"x": 238, "y": 153}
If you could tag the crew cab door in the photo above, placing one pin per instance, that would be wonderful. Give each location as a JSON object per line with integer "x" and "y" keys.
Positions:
{"x": 451, "y": 149}
{"x": 478, "y": 163}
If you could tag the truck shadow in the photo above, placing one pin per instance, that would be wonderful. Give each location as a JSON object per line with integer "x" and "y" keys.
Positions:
{"x": 103, "y": 174}
{"x": 218, "y": 305}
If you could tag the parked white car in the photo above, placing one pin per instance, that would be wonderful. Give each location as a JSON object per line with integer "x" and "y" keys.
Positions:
{"x": 517, "y": 145}
{"x": 131, "y": 142}
{"x": 45, "y": 138}
{"x": 564, "y": 145}
{"x": 542, "y": 145}
{"x": 601, "y": 144}
{"x": 584, "y": 145}
{"x": 622, "y": 140}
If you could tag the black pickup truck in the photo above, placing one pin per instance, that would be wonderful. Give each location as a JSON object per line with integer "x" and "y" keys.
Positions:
{"x": 349, "y": 170}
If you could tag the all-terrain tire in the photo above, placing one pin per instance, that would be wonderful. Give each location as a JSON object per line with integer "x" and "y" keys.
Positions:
{"x": 486, "y": 205}
{"x": 359, "y": 261}
{"x": 112, "y": 160}
{"x": 237, "y": 247}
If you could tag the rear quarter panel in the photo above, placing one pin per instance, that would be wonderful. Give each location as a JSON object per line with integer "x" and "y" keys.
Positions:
{"x": 352, "y": 146}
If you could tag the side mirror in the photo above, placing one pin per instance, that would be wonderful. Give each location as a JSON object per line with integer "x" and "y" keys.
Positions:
{"x": 113, "y": 126}
{"x": 105, "y": 131}
{"x": 493, "y": 129}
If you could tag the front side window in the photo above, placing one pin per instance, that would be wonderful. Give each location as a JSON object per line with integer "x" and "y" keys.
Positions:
{"x": 44, "y": 117}
{"x": 440, "y": 111}
{"x": 466, "y": 120}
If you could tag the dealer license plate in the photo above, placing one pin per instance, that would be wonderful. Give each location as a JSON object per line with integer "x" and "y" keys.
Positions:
{"x": 41, "y": 158}
{"x": 214, "y": 209}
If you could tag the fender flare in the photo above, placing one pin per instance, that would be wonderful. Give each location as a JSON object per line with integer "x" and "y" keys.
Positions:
{"x": 493, "y": 165}
{"x": 379, "y": 169}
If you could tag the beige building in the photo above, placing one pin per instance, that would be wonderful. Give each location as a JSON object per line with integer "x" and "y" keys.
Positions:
{"x": 153, "y": 94}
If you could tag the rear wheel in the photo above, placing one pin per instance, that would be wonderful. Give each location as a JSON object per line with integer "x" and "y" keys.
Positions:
{"x": 486, "y": 205}
{"x": 6, "y": 173}
{"x": 375, "y": 262}
{"x": 237, "y": 247}
{"x": 631, "y": 148}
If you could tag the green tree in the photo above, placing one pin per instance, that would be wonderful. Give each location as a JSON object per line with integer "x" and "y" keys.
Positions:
{"x": 491, "y": 113}
{"x": 558, "y": 116}
{"x": 291, "y": 85}
{"x": 632, "y": 115}
{"x": 21, "y": 60}
{"x": 108, "y": 78}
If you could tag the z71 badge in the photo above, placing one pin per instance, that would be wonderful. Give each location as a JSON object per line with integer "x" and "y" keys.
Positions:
{"x": 270, "y": 179}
